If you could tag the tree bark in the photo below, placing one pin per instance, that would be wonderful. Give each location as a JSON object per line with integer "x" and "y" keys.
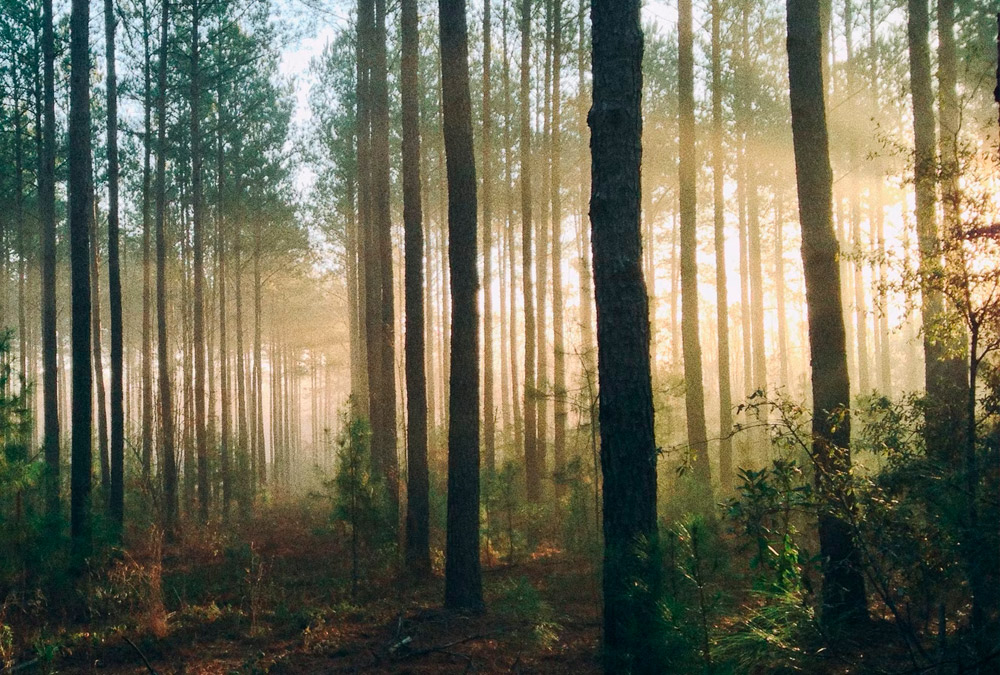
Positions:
{"x": 164, "y": 360}
{"x": 628, "y": 446}
{"x": 558, "y": 337}
{"x": 197, "y": 225}
{"x": 694, "y": 393}
{"x": 843, "y": 585}
{"x": 47, "y": 205}
{"x": 114, "y": 283}
{"x": 418, "y": 497}
{"x": 80, "y": 213}
{"x": 463, "y": 581}
{"x": 532, "y": 463}
{"x": 721, "y": 289}
{"x": 96, "y": 350}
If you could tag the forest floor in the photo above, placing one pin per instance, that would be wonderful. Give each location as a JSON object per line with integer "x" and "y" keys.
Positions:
{"x": 275, "y": 596}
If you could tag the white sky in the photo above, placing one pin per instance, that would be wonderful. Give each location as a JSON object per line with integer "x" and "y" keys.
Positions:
{"x": 318, "y": 22}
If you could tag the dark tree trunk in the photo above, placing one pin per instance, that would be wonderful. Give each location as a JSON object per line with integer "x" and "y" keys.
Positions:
{"x": 463, "y": 582}
{"x": 117, "y": 497}
{"x": 532, "y": 462}
{"x": 384, "y": 420}
{"x": 843, "y": 585}
{"x": 721, "y": 289}
{"x": 628, "y": 446}
{"x": 694, "y": 397}
{"x": 418, "y": 497}
{"x": 147, "y": 329}
{"x": 169, "y": 457}
{"x": 80, "y": 213}
{"x": 47, "y": 205}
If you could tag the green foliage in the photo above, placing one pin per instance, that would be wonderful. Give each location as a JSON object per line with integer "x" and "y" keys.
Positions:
{"x": 778, "y": 634}
{"x": 506, "y": 509}
{"x": 581, "y": 524}
{"x": 519, "y": 601}
{"x": 768, "y": 504}
{"x": 360, "y": 501}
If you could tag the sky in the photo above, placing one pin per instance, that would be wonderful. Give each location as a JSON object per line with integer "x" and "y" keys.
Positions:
{"x": 316, "y": 22}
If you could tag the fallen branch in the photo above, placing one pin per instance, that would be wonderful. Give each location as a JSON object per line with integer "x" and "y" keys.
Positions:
{"x": 445, "y": 647}
{"x": 138, "y": 651}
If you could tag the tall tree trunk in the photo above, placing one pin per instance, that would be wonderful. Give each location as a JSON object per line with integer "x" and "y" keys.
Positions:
{"x": 532, "y": 463}
{"x": 418, "y": 497}
{"x": 515, "y": 400}
{"x": 362, "y": 134}
{"x": 187, "y": 364}
{"x": 246, "y": 436}
{"x": 80, "y": 213}
{"x": 489, "y": 407}
{"x": 694, "y": 393}
{"x": 463, "y": 581}
{"x": 259, "y": 443}
{"x": 588, "y": 347}
{"x": 861, "y": 321}
{"x": 721, "y": 289}
{"x": 220, "y": 247}
{"x": 197, "y": 223}
{"x": 97, "y": 351}
{"x": 944, "y": 412}
{"x": 47, "y": 205}
{"x": 628, "y": 446}
{"x": 147, "y": 328}
{"x": 543, "y": 223}
{"x": 558, "y": 338}
{"x": 759, "y": 357}
{"x": 384, "y": 432}
{"x": 169, "y": 458}
{"x": 114, "y": 282}
{"x": 508, "y": 396}
{"x": 843, "y": 585}
{"x": 779, "y": 290}
{"x": 878, "y": 219}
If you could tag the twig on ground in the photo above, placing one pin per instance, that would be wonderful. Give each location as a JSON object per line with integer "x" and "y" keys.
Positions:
{"x": 138, "y": 651}
{"x": 444, "y": 648}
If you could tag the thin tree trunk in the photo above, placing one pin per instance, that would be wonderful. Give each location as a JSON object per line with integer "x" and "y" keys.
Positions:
{"x": 114, "y": 282}
{"x": 489, "y": 407}
{"x": 721, "y": 289}
{"x": 843, "y": 585}
{"x": 558, "y": 338}
{"x": 515, "y": 400}
{"x": 418, "y": 495}
{"x": 194, "y": 102}
{"x": 532, "y": 463}
{"x": 779, "y": 289}
{"x": 96, "y": 349}
{"x": 169, "y": 471}
{"x": 543, "y": 223}
{"x": 694, "y": 397}
{"x": 147, "y": 326}
{"x": 47, "y": 197}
